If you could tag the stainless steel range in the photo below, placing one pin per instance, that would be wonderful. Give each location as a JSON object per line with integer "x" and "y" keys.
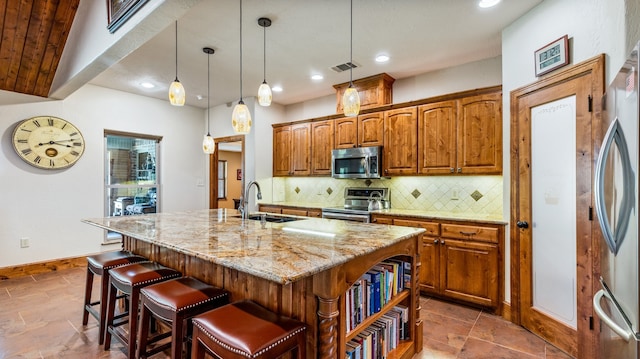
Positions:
{"x": 356, "y": 206}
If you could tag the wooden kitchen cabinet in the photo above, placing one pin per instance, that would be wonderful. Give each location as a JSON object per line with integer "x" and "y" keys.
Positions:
{"x": 292, "y": 150}
{"x": 400, "y": 141}
{"x": 322, "y": 140}
{"x": 291, "y": 211}
{"x": 459, "y": 260}
{"x": 461, "y": 136}
{"x": 282, "y": 151}
{"x": 480, "y": 134}
{"x": 362, "y": 131}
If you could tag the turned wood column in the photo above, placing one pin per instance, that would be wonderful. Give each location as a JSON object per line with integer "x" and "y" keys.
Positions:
{"x": 328, "y": 286}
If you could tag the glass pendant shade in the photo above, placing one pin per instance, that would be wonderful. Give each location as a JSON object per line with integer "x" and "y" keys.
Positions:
{"x": 264, "y": 94}
{"x": 208, "y": 145}
{"x": 351, "y": 102}
{"x": 176, "y": 93}
{"x": 241, "y": 119}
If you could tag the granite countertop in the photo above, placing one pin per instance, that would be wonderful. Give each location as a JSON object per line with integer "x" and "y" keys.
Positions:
{"x": 280, "y": 252}
{"x": 416, "y": 213}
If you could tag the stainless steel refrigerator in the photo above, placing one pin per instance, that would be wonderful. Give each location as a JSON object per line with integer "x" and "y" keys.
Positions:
{"x": 616, "y": 197}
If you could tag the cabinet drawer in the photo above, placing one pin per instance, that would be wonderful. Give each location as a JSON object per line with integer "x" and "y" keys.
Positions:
{"x": 477, "y": 233}
{"x": 316, "y": 213}
{"x": 432, "y": 228}
{"x": 294, "y": 212}
{"x": 270, "y": 209}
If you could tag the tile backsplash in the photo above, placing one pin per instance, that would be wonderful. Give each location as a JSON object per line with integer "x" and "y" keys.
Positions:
{"x": 453, "y": 194}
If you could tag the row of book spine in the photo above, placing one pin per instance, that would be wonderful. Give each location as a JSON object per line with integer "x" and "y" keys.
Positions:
{"x": 382, "y": 336}
{"x": 371, "y": 292}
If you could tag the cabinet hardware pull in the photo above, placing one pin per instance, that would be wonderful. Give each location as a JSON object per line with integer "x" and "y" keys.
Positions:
{"x": 451, "y": 170}
{"x": 468, "y": 233}
{"x": 435, "y": 241}
{"x": 442, "y": 242}
{"x": 459, "y": 170}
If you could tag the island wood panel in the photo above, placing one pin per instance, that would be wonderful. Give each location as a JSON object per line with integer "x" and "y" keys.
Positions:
{"x": 317, "y": 300}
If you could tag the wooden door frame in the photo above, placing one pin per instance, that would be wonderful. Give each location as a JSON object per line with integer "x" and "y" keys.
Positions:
{"x": 213, "y": 168}
{"x": 588, "y": 261}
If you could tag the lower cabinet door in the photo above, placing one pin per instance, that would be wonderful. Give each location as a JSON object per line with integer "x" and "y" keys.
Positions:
{"x": 430, "y": 266}
{"x": 469, "y": 271}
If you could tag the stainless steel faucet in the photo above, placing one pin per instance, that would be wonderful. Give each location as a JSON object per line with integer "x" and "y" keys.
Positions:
{"x": 244, "y": 202}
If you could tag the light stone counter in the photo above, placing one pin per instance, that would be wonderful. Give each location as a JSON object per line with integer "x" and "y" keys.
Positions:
{"x": 279, "y": 252}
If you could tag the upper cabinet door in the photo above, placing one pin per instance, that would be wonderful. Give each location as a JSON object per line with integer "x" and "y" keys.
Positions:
{"x": 437, "y": 137}
{"x": 321, "y": 146}
{"x": 301, "y": 149}
{"x": 371, "y": 129}
{"x": 346, "y": 132}
{"x": 480, "y": 135}
{"x": 282, "y": 151}
{"x": 401, "y": 141}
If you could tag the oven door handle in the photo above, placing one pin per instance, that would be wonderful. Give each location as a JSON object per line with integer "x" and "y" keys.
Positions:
{"x": 346, "y": 216}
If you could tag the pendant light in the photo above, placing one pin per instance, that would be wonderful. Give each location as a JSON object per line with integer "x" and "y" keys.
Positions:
{"x": 176, "y": 90}
{"x": 264, "y": 91}
{"x": 208, "y": 145}
{"x": 241, "y": 117}
{"x": 351, "y": 99}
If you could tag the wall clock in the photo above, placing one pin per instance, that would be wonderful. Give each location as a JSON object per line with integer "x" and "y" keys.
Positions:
{"x": 48, "y": 142}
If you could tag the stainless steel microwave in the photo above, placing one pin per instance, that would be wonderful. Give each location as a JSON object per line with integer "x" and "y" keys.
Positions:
{"x": 359, "y": 162}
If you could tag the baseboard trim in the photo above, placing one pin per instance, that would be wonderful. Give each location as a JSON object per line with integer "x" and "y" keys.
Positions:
{"x": 506, "y": 311}
{"x": 41, "y": 267}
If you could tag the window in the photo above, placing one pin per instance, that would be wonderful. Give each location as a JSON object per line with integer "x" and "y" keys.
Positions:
{"x": 222, "y": 179}
{"x": 131, "y": 175}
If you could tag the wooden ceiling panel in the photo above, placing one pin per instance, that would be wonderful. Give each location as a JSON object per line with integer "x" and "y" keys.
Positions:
{"x": 34, "y": 33}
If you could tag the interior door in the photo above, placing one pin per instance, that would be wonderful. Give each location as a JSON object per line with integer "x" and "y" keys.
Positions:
{"x": 551, "y": 248}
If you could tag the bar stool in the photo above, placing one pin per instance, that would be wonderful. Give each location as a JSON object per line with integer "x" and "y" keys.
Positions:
{"x": 129, "y": 279}
{"x": 244, "y": 329}
{"x": 100, "y": 264}
{"x": 175, "y": 302}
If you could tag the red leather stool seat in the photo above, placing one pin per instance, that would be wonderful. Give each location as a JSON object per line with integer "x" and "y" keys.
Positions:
{"x": 245, "y": 329}
{"x": 175, "y": 302}
{"x": 129, "y": 279}
{"x": 100, "y": 264}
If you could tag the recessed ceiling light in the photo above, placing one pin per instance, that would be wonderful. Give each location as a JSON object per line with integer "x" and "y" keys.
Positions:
{"x": 276, "y": 89}
{"x": 317, "y": 77}
{"x": 382, "y": 58}
{"x": 147, "y": 85}
{"x": 488, "y": 3}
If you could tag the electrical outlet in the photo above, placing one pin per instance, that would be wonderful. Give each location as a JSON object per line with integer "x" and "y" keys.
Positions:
{"x": 24, "y": 242}
{"x": 454, "y": 194}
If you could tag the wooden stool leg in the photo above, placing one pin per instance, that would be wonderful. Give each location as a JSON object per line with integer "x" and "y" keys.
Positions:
{"x": 143, "y": 329}
{"x": 104, "y": 292}
{"x": 177, "y": 333}
{"x": 87, "y": 297}
{"x": 133, "y": 323}
{"x": 197, "y": 348}
{"x": 111, "y": 308}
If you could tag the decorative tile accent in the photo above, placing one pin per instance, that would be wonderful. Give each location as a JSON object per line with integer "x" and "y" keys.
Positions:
{"x": 416, "y": 193}
{"x": 329, "y": 191}
{"x": 368, "y": 182}
{"x": 297, "y": 190}
{"x": 476, "y": 195}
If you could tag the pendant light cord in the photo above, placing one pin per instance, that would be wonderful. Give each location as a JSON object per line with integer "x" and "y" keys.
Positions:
{"x": 351, "y": 47}
{"x": 176, "y": 51}
{"x": 208, "y": 94}
{"x": 241, "y": 51}
{"x": 264, "y": 53}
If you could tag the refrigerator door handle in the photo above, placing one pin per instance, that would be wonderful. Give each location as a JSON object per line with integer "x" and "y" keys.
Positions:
{"x": 624, "y": 334}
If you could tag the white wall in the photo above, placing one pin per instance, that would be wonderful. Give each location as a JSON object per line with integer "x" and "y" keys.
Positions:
{"x": 469, "y": 76}
{"x": 593, "y": 27}
{"x": 47, "y": 206}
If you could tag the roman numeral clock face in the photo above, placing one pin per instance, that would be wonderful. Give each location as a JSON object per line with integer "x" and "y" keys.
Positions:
{"x": 48, "y": 142}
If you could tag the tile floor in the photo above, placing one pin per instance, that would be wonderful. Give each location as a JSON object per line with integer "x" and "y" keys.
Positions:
{"x": 41, "y": 317}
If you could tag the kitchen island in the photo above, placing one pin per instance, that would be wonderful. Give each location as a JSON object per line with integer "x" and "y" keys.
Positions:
{"x": 301, "y": 268}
